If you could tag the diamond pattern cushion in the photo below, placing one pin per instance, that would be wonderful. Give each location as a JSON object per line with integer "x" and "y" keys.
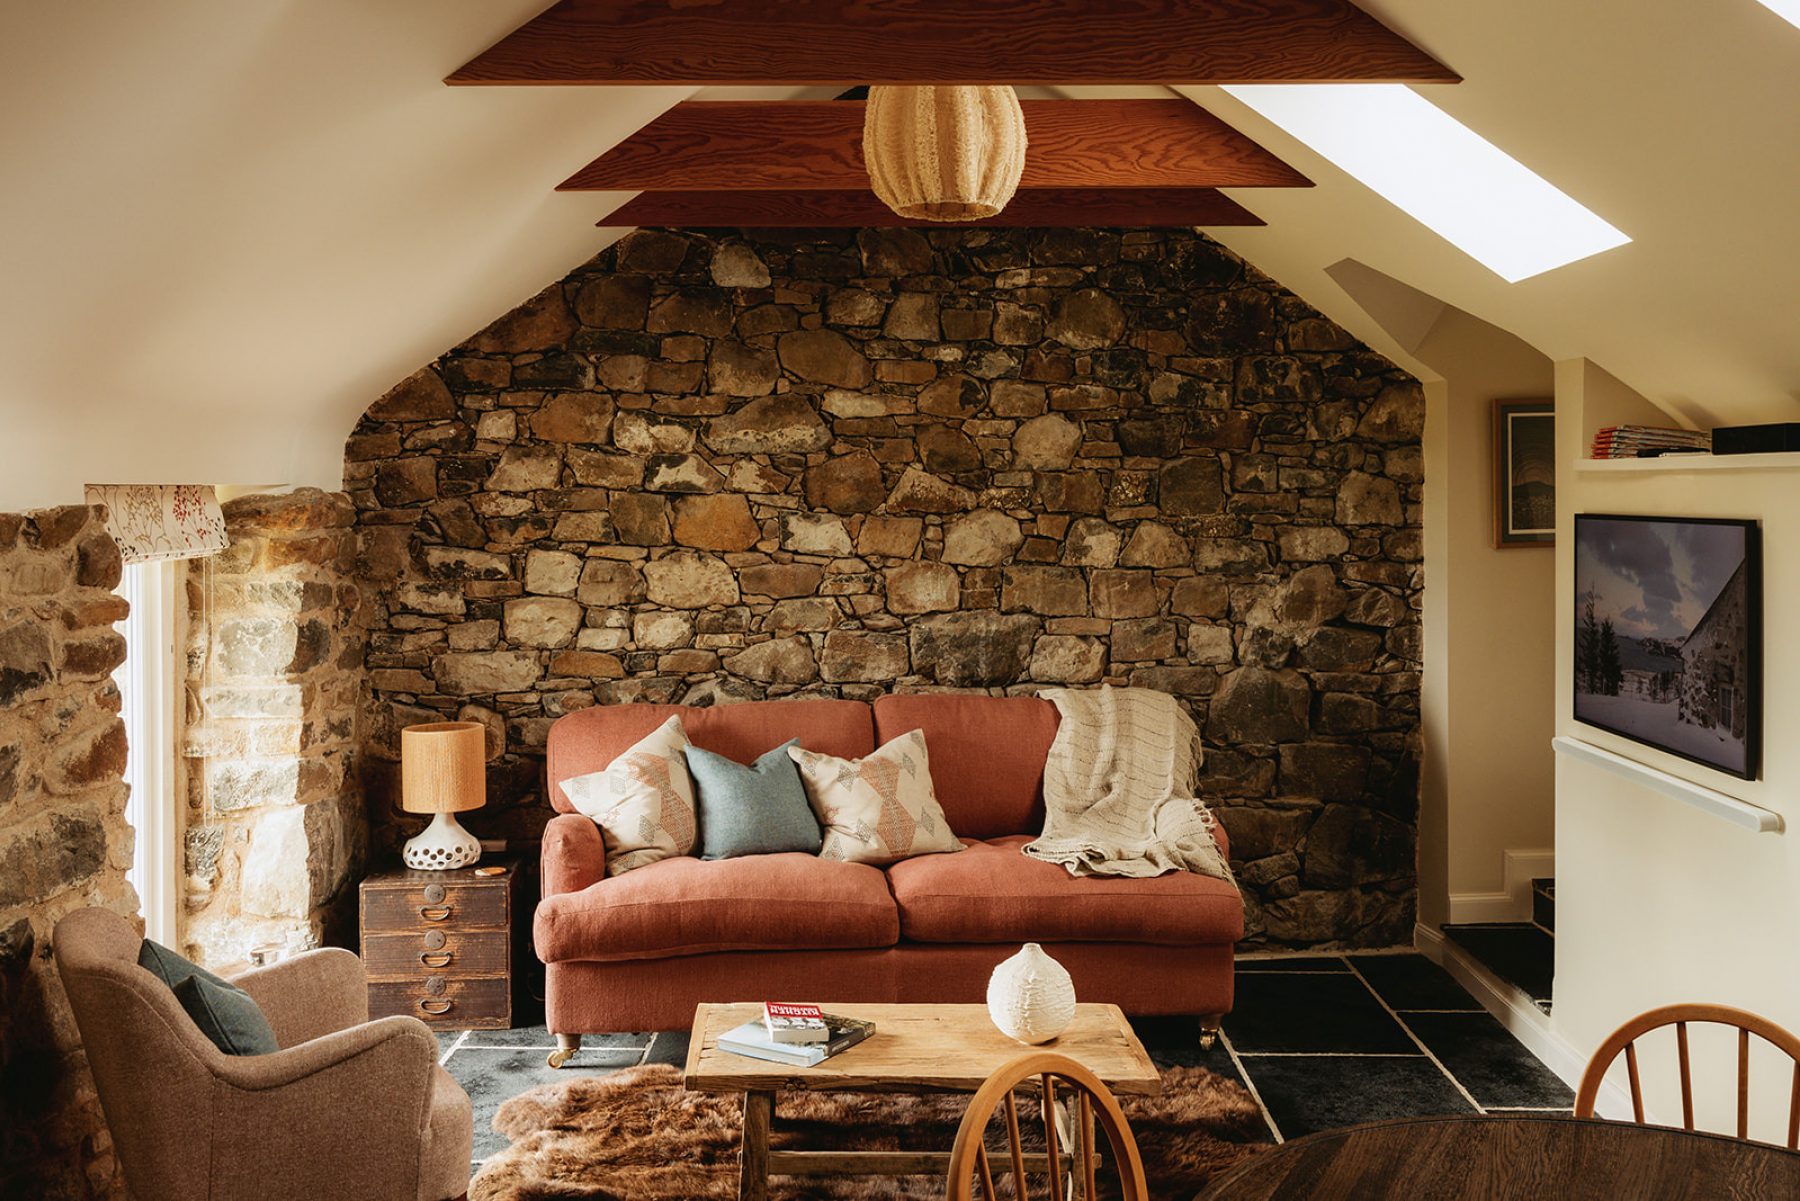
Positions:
{"x": 644, "y": 802}
{"x": 879, "y": 809}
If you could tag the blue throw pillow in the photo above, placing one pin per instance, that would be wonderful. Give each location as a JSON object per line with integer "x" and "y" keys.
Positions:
{"x": 224, "y": 1012}
{"x": 755, "y": 810}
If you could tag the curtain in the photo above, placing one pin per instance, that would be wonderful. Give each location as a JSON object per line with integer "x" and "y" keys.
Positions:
{"x": 151, "y": 522}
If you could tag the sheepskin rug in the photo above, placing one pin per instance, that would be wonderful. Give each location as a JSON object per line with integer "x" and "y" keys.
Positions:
{"x": 639, "y": 1136}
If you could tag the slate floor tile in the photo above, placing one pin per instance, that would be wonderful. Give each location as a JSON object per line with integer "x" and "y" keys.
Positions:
{"x": 540, "y": 1038}
{"x": 1311, "y": 1012}
{"x": 491, "y": 1077}
{"x": 1412, "y": 982}
{"x": 670, "y": 1047}
{"x": 1493, "y": 1065}
{"x": 1308, "y": 1093}
{"x": 1293, "y": 963}
{"x": 1519, "y": 953}
{"x": 1175, "y": 1042}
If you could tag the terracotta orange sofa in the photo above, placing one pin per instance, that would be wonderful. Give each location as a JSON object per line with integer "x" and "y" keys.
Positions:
{"x": 640, "y": 950}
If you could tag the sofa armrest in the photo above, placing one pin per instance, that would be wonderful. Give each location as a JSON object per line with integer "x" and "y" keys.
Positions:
{"x": 574, "y": 854}
{"x": 1221, "y": 836}
{"x": 310, "y": 995}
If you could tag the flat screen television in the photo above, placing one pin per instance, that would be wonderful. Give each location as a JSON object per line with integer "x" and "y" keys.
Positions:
{"x": 1668, "y": 635}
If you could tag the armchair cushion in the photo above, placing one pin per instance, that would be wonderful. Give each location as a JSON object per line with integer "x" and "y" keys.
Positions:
{"x": 227, "y": 1016}
{"x": 171, "y": 968}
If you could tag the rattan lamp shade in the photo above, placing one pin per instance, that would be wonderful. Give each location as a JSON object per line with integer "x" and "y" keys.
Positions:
{"x": 443, "y": 767}
{"x": 943, "y": 153}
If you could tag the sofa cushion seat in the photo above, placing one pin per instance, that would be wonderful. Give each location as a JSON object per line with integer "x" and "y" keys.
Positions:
{"x": 993, "y": 893}
{"x": 685, "y": 906}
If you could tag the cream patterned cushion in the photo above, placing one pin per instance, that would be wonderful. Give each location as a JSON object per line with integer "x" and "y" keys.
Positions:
{"x": 879, "y": 809}
{"x": 644, "y": 802}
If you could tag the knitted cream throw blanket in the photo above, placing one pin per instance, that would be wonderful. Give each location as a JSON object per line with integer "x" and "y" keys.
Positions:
{"x": 1118, "y": 785}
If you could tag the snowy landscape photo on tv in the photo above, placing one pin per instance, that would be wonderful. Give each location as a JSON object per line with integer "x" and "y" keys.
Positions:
{"x": 1668, "y": 634}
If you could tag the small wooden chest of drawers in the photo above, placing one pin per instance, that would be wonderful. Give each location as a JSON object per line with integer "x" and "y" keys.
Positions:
{"x": 441, "y": 946}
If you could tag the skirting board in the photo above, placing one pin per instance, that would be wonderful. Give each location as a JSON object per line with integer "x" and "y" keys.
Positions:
{"x": 1514, "y": 903}
{"x": 1524, "y": 1020}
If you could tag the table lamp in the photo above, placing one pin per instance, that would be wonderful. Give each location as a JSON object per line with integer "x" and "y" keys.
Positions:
{"x": 443, "y": 771}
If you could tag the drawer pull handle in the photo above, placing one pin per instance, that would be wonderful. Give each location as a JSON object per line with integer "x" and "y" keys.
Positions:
{"x": 436, "y": 1009}
{"x": 434, "y": 913}
{"x": 437, "y": 959}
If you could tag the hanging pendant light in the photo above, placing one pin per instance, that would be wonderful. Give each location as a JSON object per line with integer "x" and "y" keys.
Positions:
{"x": 943, "y": 153}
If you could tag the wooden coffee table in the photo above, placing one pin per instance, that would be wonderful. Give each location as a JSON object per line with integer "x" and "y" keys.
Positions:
{"x": 915, "y": 1049}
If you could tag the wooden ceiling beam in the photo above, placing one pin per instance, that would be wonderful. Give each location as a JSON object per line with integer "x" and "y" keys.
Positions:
{"x": 702, "y": 42}
{"x": 1040, "y": 208}
{"x": 817, "y": 144}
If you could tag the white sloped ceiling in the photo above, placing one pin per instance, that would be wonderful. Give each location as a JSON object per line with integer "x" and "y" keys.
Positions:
{"x": 227, "y": 225}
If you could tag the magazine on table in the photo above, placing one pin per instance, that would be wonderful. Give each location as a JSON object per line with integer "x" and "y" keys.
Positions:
{"x": 752, "y": 1039}
{"x": 789, "y": 1022}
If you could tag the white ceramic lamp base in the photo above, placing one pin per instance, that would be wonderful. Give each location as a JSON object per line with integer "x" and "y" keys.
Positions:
{"x": 442, "y": 845}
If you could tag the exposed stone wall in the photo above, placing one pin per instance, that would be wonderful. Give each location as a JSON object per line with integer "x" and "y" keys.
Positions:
{"x": 276, "y": 829}
{"x": 712, "y": 467}
{"x": 64, "y": 844}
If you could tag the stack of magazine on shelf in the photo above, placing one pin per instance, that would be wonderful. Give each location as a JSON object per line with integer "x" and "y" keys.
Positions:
{"x": 798, "y": 1035}
{"x": 1647, "y": 441}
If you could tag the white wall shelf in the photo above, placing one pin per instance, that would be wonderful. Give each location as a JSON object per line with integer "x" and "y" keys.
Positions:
{"x": 1765, "y": 462}
{"x": 1740, "y": 813}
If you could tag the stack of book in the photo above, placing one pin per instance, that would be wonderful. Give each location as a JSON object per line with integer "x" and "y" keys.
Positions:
{"x": 1648, "y": 441}
{"x": 801, "y": 1036}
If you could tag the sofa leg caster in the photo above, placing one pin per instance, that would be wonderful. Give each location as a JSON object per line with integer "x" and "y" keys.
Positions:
{"x": 1209, "y": 1030}
{"x": 566, "y": 1046}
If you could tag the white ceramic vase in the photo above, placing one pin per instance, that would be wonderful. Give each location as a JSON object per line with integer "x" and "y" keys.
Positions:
{"x": 1031, "y": 997}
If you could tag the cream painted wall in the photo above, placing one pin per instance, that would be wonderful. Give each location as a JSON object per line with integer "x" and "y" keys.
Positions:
{"x": 1493, "y": 682}
{"x": 1658, "y": 902}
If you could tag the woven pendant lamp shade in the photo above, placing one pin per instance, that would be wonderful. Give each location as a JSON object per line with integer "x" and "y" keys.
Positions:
{"x": 942, "y": 153}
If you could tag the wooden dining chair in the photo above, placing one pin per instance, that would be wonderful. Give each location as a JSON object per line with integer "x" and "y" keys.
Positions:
{"x": 1747, "y": 1023}
{"x": 1068, "y": 1091}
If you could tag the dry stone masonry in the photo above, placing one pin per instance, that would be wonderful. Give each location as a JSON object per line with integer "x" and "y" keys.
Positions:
{"x": 276, "y": 831}
{"x": 710, "y": 467}
{"x": 64, "y": 844}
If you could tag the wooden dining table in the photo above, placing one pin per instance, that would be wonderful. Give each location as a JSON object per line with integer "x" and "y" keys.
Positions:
{"x": 1522, "y": 1158}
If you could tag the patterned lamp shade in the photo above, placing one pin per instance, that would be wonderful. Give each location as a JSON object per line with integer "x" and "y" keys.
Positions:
{"x": 943, "y": 153}
{"x": 443, "y": 767}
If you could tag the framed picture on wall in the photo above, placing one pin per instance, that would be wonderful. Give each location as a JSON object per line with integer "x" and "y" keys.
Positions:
{"x": 1668, "y": 635}
{"x": 1524, "y": 473}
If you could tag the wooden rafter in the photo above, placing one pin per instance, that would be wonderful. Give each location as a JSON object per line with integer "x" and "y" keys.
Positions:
{"x": 1039, "y": 208}
{"x": 817, "y": 144}
{"x": 951, "y": 41}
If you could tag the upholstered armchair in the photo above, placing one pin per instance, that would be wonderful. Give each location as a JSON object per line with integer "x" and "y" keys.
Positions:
{"x": 348, "y": 1109}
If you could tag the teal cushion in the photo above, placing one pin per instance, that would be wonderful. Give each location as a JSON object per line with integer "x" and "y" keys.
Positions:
{"x": 227, "y": 1015}
{"x": 171, "y": 968}
{"x": 755, "y": 810}
{"x": 224, "y": 1012}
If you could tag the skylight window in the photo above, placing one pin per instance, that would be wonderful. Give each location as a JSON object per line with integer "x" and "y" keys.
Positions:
{"x": 1787, "y": 10}
{"x": 1439, "y": 172}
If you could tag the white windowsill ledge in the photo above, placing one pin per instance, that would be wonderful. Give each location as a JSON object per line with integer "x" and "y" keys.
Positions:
{"x": 1740, "y": 813}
